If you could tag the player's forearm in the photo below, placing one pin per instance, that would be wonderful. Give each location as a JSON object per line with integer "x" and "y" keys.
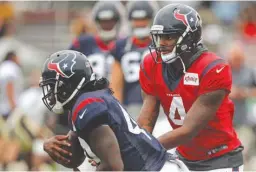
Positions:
{"x": 102, "y": 167}
{"x": 147, "y": 118}
{"x": 147, "y": 123}
{"x": 104, "y": 144}
{"x": 175, "y": 138}
{"x": 108, "y": 167}
{"x": 149, "y": 112}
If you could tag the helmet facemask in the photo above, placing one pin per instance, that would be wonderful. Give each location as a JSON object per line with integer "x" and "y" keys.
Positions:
{"x": 57, "y": 93}
{"x": 168, "y": 54}
{"x": 181, "y": 46}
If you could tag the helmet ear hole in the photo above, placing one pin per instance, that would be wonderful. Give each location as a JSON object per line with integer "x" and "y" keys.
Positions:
{"x": 64, "y": 95}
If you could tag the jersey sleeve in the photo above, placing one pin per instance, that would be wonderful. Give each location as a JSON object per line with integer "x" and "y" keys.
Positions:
{"x": 89, "y": 114}
{"x": 145, "y": 78}
{"x": 219, "y": 77}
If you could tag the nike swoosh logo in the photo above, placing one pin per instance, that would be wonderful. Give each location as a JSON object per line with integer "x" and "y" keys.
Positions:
{"x": 219, "y": 70}
{"x": 82, "y": 115}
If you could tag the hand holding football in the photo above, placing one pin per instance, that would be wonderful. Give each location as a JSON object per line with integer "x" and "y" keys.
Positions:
{"x": 77, "y": 151}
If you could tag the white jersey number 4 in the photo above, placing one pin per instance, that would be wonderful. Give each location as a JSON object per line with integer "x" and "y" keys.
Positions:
{"x": 177, "y": 110}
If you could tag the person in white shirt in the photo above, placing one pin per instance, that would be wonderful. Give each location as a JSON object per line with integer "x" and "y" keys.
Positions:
{"x": 11, "y": 83}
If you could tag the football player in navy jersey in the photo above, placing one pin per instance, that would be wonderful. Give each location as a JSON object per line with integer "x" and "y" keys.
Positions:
{"x": 107, "y": 17}
{"x": 128, "y": 53}
{"x": 98, "y": 119}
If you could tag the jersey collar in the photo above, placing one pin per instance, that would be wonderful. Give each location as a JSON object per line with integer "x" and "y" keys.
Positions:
{"x": 102, "y": 45}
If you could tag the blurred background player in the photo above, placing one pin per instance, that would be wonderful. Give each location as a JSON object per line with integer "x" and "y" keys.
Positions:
{"x": 128, "y": 53}
{"x": 12, "y": 83}
{"x": 243, "y": 89}
{"x": 107, "y": 18}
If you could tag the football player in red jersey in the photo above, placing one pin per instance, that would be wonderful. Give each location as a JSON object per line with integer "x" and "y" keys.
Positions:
{"x": 192, "y": 85}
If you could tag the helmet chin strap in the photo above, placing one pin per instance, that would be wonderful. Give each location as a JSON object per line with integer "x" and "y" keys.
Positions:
{"x": 170, "y": 57}
{"x": 183, "y": 65}
{"x": 58, "y": 107}
{"x": 173, "y": 57}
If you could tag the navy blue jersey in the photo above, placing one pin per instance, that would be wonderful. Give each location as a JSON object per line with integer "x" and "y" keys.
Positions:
{"x": 130, "y": 55}
{"x": 139, "y": 149}
{"x": 96, "y": 51}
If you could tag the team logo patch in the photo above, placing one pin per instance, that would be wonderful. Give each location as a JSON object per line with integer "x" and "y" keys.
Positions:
{"x": 191, "y": 79}
{"x": 190, "y": 19}
{"x": 62, "y": 65}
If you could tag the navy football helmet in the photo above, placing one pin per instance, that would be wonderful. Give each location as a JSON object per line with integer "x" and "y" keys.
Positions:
{"x": 107, "y": 16}
{"x": 64, "y": 75}
{"x": 179, "y": 22}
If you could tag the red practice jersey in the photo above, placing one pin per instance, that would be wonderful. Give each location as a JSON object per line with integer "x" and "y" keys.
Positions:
{"x": 207, "y": 73}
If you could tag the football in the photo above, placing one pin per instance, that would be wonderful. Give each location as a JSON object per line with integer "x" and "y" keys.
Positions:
{"x": 76, "y": 149}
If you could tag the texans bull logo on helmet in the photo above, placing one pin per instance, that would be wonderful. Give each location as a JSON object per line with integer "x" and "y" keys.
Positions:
{"x": 63, "y": 65}
{"x": 190, "y": 19}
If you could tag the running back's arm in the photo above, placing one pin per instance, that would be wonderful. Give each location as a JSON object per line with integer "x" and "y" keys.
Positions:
{"x": 103, "y": 143}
